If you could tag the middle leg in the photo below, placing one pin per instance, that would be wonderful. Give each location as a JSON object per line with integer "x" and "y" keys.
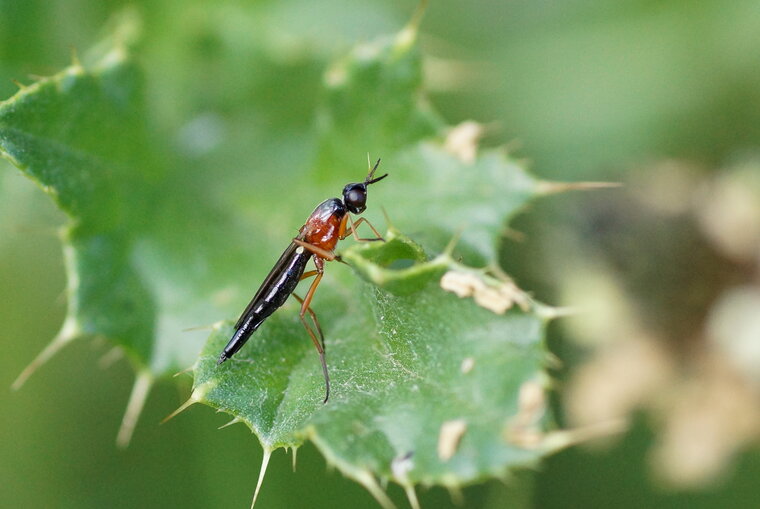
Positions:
{"x": 305, "y": 306}
{"x": 314, "y": 320}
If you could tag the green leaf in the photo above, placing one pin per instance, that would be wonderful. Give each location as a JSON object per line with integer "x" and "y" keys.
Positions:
{"x": 403, "y": 364}
{"x": 147, "y": 250}
{"x": 162, "y": 240}
{"x": 427, "y": 387}
{"x": 68, "y": 133}
{"x": 442, "y": 197}
{"x": 372, "y": 100}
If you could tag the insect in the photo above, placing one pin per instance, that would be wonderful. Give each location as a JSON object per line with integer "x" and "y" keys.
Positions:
{"x": 316, "y": 240}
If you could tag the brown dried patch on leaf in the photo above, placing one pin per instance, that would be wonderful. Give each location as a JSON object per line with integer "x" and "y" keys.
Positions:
{"x": 524, "y": 428}
{"x": 495, "y": 295}
{"x": 462, "y": 141}
{"x": 449, "y": 437}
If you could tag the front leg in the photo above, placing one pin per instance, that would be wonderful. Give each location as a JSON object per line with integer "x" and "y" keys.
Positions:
{"x": 318, "y": 252}
{"x": 322, "y": 253}
{"x": 352, "y": 230}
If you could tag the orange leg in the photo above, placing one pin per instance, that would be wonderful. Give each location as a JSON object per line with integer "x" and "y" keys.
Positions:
{"x": 322, "y": 253}
{"x": 313, "y": 320}
{"x": 308, "y": 274}
{"x": 313, "y": 315}
{"x": 352, "y": 230}
{"x": 319, "y": 346}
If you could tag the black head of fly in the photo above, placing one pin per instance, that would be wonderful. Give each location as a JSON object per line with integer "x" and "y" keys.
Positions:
{"x": 355, "y": 195}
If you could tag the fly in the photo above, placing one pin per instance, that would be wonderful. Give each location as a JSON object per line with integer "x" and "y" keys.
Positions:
{"x": 330, "y": 222}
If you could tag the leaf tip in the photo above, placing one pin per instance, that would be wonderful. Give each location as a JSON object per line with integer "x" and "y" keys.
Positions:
{"x": 182, "y": 372}
{"x": 448, "y": 251}
{"x": 67, "y": 334}
{"x": 264, "y": 464}
{"x": 455, "y": 492}
{"x": 234, "y": 420}
{"x": 366, "y": 479}
{"x": 546, "y": 187}
{"x": 390, "y": 228}
{"x": 409, "y": 34}
{"x": 20, "y": 85}
{"x": 198, "y": 394}
{"x": 110, "y": 357}
{"x": 143, "y": 382}
{"x": 184, "y": 406}
{"x": 552, "y": 313}
{"x": 411, "y": 495}
{"x": 561, "y": 439}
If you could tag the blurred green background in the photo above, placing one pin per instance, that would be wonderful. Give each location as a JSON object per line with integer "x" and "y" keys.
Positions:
{"x": 661, "y": 96}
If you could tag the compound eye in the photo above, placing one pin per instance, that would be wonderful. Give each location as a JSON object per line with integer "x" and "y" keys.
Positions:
{"x": 355, "y": 198}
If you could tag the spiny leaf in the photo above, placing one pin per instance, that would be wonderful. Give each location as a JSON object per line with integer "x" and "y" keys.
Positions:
{"x": 442, "y": 197}
{"x": 67, "y": 133}
{"x": 426, "y": 386}
{"x": 372, "y": 100}
{"x": 402, "y": 366}
{"x": 145, "y": 249}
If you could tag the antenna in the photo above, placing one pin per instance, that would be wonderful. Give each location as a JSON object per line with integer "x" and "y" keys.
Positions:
{"x": 369, "y": 179}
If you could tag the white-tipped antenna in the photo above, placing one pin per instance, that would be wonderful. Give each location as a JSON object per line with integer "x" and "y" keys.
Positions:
{"x": 369, "y": 179}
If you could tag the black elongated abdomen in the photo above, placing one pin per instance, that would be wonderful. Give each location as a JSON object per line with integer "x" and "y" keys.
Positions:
{"x": 274, "y": 291}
